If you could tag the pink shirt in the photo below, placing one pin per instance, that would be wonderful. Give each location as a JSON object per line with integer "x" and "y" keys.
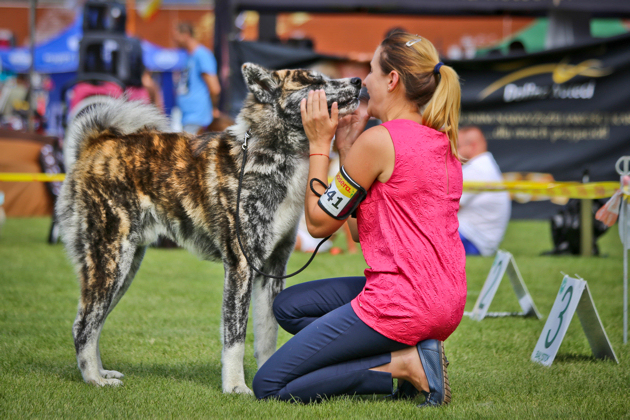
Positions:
{"x": 416, "y": 283}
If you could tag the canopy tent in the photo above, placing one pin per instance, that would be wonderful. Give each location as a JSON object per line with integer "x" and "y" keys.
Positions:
{"x": 58, "y": 55}
{"x": 61, "y": 54}
{"x": 59, "y": 58}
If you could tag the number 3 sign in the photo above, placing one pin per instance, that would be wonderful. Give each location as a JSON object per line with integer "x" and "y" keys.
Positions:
{"x": 573, "y": 296}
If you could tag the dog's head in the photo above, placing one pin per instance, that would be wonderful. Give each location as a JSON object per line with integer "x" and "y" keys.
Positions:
{"x": 285, "y": 89}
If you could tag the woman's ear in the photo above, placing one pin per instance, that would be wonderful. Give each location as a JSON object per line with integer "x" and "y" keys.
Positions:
{"x": 394, "y": 78}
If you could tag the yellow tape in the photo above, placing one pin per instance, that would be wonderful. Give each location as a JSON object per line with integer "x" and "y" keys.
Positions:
{"x": 18, "y": 177}
{"x": 549, "y": 189}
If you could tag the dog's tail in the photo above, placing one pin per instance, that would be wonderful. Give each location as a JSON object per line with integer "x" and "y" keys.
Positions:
{"x": 96, "y": 114}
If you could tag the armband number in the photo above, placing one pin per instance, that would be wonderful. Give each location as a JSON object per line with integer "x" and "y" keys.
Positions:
{"x": 342, "y": 197}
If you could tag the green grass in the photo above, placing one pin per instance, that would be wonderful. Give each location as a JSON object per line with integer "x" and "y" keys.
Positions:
{"x": 164, "y": 336}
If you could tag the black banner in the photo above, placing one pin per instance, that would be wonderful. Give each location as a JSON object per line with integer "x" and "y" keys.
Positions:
{"x": 271, "y": 56}
{"x": 559, "y": 112}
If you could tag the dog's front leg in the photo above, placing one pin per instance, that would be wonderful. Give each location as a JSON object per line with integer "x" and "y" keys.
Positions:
{"x": 236, "y": 296}
{"x": 265, "y": 291}
{"x": 265, "y": 324}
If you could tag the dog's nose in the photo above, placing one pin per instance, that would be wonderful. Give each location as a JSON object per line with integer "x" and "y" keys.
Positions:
{"x": 356, "y": 81}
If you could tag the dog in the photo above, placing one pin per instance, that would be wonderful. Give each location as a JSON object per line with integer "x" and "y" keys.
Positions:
{"x": 130, "y": 180}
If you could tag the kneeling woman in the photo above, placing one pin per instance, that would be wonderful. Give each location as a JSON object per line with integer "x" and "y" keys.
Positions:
{"x": 354, "y": 334}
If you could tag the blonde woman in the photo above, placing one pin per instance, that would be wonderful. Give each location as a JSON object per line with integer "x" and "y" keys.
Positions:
{"x": 354, "y": 334}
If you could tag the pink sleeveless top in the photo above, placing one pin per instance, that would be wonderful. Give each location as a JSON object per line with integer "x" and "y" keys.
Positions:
{"x": 416, "y": 283}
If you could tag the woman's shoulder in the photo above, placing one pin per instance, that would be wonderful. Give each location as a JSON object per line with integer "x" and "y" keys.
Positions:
{"x": 375, "y": 136}
{"x": 374, "y": 143}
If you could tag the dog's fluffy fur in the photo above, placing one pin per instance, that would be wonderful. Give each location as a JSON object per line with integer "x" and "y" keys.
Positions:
{"x": 129, "y": 181}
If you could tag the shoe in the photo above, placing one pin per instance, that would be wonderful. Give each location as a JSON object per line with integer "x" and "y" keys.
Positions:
{"x": 434, "y": 363}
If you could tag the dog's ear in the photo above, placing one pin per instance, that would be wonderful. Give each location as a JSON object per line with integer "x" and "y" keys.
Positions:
{"x": 260, "y": 82}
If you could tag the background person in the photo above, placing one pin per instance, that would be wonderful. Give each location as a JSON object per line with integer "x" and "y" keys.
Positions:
{"x": 14, "y": 94}
{"x": 483, "y": 217}
{"x": 354, "y": 334}
{"x": 140, "y": 86}
{"x": 198, "y": 89}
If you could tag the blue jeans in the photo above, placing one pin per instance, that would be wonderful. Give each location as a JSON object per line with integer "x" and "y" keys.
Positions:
{"x": 332, "y": 351}
{"x": 469, "y": 247}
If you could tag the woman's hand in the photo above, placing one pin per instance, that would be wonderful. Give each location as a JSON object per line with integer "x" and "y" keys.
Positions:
{"x": 318, "y": 125}
{"x": 349, "y": 129}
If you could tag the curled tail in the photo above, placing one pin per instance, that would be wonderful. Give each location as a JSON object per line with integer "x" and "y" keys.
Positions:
{"x": 96, "y": 114}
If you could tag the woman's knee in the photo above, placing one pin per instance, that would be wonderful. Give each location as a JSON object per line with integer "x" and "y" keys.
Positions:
{"x": 282, "y": 307}
{"x": 258, "y": 386}
{"x": 262, "y": 386}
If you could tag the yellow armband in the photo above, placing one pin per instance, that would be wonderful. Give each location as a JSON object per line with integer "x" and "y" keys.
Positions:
{"x": 342, "y": 197}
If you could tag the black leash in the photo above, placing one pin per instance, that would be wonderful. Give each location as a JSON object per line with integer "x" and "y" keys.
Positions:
{"x": 238, "y": 233}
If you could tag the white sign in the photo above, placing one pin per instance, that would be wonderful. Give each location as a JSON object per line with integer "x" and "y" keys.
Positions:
{"x": 503, "y": 262}
{"x": 573, "y": 296}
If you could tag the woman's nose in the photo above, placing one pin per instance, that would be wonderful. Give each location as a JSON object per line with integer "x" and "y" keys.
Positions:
{"x": 356, "y": 81}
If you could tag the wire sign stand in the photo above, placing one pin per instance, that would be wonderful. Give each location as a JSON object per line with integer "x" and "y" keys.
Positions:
{"x": 503, "y": 263}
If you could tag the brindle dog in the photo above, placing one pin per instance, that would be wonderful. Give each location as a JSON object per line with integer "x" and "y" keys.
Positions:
{"x": 130, "y": 181}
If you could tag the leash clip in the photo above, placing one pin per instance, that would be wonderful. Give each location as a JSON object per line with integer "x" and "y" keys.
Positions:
{"x": 247, "y": 137}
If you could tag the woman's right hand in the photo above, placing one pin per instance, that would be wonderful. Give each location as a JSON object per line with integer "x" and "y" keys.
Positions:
{"x": 349, "y": 129}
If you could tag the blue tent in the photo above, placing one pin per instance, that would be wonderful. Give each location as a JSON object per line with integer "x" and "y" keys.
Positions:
{"x": 61, "y": 54}
{"x": 59, "y": 57}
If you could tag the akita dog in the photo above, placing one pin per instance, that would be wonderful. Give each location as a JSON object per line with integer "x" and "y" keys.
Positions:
{"x": 129, "y": 180}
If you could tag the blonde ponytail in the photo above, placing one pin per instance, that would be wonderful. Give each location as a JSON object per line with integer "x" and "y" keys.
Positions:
{"x": 427, "y": 84}
{"x": 442, "y": 111}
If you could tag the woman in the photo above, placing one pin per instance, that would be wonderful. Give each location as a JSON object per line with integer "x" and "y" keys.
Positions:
{"x": 353, "y": 335}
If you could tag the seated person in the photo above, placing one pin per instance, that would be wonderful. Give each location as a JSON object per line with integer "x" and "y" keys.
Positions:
{"x": 483, "y": 217}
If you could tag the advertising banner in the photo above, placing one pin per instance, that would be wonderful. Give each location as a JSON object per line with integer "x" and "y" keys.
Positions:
{"x": 560, "y": 112}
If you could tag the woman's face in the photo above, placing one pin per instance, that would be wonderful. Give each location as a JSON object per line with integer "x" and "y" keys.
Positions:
{"x": 376, "y": 83}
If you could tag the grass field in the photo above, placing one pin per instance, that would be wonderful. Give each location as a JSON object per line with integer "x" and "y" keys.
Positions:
{"x": 164, "y": 336}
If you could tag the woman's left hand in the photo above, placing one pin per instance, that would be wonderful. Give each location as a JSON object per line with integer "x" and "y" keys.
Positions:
{"x": 318, "y": 125}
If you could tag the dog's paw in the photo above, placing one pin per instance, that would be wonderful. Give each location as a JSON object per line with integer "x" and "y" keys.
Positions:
{"x": 109, "y": 374}
{"x": 238, "y": 389}
{"x": 104, "y": 382}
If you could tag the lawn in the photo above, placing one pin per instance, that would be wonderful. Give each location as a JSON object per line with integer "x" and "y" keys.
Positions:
{"x": 164, "y": 336}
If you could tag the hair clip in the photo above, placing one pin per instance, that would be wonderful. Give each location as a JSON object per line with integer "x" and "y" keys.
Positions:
{"x": 413, "y": 41}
